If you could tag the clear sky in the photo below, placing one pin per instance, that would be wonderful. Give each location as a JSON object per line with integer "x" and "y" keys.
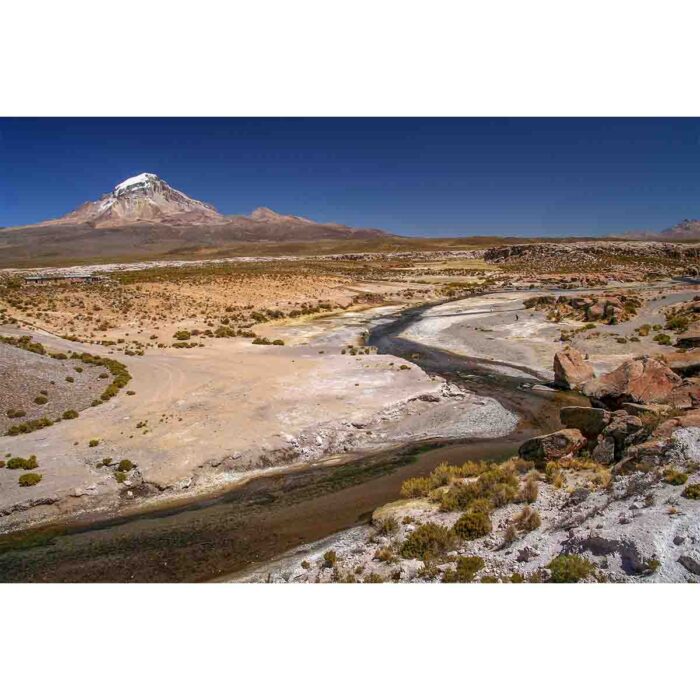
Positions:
{"x": 409, "y": 176}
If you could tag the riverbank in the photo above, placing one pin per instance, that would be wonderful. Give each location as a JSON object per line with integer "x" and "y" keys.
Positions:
{"x": 205, "y": 419}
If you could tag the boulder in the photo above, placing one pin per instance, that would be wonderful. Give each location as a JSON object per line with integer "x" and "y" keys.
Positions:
{"x": 590, "y": 421}
{"x": 595, "y": 312}
{"x": 604, "y": 451}
{"x": 624, "y": 430}
{"x": 687, "y": 395}
{"x": 689, "y": 419}
{"x": 543, "y": 448}
{"x": 571, "y": 370}
{"x": 691, "y": 338}
{"x": 641, "y": 410}
{"x": 684, "y": 363}
{"x": 642, "y": 380}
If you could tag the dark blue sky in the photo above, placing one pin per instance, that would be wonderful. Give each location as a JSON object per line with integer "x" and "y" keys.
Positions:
{"x": 410, "y": 176}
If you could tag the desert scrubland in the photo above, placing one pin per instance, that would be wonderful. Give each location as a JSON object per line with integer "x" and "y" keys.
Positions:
{"x": 162, "y": 383}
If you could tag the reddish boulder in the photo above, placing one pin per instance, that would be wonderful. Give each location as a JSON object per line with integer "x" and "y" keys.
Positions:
{"x": 642, "y": 380}
{"x": 684, "y": 363}
{"x": 571, "y": 370}
{"x": 590, "y": 421}
{"x": 689, "y": 419}
{"x": 543, "y": 448}
{"x": 691, "y": 338}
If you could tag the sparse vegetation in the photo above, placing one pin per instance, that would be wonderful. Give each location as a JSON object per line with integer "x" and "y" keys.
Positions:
{"x": 427, "y": 540}
{"x": 464, "y": 572}
{"x": 570, "y": 568}
{"x": 30, "y": 479}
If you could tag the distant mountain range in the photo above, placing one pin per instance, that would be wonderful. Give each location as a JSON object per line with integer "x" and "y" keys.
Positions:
{"x": 145, "y": 216}
{"x": 146, "y": 199}
{"x": 686, "y": 230}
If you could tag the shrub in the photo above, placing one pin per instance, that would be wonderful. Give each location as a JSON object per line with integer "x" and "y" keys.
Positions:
{"x": 30, "y": 426}
{"x": 530, "y": 490}
{"x": 692, "y": 491}
{"x": 466, "y": 569}
{"x": 16, "y": 413}
{"x": 528, "y": 519}
{"x": 120, "y": 477}
{"x": 671, "y": 476}
{"x": 472, "y": 525}
{"x": 93, "y": 443}
{"x": 40, "y": 400}
{"x": 677, "y": 323}
{"x": 662, "y": 339}
{"x": 570, "y": 568}
{"x": 510, "y": 535}
{"x": 70, "y": 414}
{"x": 416, "y": 487}
{"x": 125, "y": 465}
{"x": 427, "y": 540}
{"x": 70, "y": 380}
{"x": 22, "y": 463}
{"x": 388, "y": 526}
{"x": 373, "y": 578}
{"x": 330, "y": 558}
{"x": 29, "y": 479}
{"x": 182, "y": 335}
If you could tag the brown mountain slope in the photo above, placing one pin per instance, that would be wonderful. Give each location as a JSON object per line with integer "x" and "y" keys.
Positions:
{"x": 143, "y": 217}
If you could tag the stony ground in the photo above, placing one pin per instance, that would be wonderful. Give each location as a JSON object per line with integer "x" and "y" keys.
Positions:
{"x": 26, "y": 376}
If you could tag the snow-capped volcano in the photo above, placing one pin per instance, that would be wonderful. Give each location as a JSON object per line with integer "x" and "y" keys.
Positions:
{"x": 143, "y": 198}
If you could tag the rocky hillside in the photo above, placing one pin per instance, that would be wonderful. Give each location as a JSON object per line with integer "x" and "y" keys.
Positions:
{"x": 612, "y": 496}
{"x": 611, "y": 257}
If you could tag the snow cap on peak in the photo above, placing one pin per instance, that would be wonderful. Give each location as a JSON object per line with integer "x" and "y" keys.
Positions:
{"x": 135, "y": 182}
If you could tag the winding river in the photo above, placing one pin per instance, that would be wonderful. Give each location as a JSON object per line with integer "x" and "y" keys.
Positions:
{"x": 219, "y": 536}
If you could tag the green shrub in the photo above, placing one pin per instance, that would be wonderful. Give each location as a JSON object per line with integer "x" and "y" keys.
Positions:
{"x": 467, "y": 567}
{"x": 125, "y": 465}
{"x": 70, "y": 414}
{"x": 427, "y": 540}
{"x": 373, "y": 578}
{"x": 692, "y": 491}
{"x": 330, "y": 558}
{"x": 121, "y": 477}
{"x": 671, "y": 476}
{"x": 93, "y": 443}
{"x": 570, "y": 568}
{"x": 416, "y": 487}
{"x": 472, "y": 525}
{"x": 22, "y": 463}
{"x": 388, "y": 526}
{"x": 182, "y": 335}
{"x": 29, "y": 479}
{"x": 30, "y": 426}
{"x": 662, "y": 339}
{"x": 677, "y": 323}
{"x": 40, "y": 400}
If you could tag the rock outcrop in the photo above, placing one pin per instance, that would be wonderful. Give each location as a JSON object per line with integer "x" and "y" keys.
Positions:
{"x": 590, "y": 421}
{"x": 642, "y": 380}
{"x": 571, "y": 370}
{"x": 544, "y": 448}
{"x": 686, "y": 364}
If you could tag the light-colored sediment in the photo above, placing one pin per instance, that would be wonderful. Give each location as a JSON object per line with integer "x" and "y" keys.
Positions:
{"x": 210, "y": 416}
{"x": 497, "y": 327}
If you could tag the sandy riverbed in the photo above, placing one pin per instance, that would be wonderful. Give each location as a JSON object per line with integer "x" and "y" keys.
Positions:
{"x": 213, "y": 416}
